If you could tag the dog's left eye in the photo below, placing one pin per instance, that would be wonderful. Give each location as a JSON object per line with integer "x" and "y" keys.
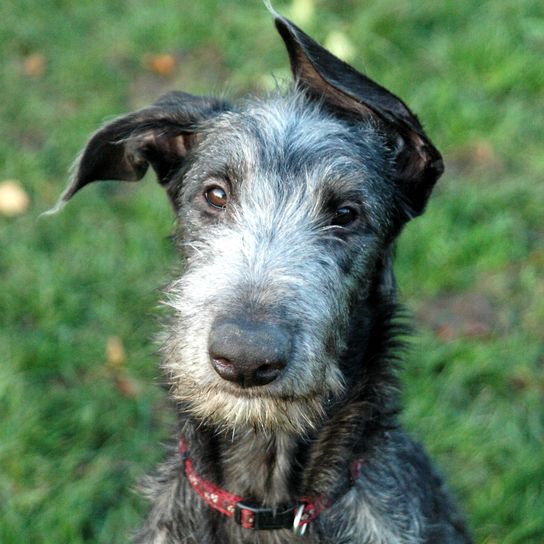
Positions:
{"x": 216, "y": 197}
{"x": 344, "y": 216}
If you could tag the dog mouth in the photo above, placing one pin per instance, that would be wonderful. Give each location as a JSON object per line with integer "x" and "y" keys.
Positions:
{"x": 277, "y": 390}
{"x": 230, "y": 407}
{"x": 291, "y": 403}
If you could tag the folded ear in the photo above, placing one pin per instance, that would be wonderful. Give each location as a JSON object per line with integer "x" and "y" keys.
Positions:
{"x": 417, "y": 163}
{"x": 160, "y": 135}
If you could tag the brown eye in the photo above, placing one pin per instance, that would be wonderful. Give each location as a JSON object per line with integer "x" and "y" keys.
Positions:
{"x": 216, "y": 197}
{"x": 344, "y": 216}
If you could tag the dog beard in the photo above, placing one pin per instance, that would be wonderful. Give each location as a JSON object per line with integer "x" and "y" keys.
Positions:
{"x": 239, "y": 409}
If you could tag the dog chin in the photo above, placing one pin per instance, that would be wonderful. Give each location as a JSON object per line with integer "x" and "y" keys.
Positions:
{"x": 239, "y": 410}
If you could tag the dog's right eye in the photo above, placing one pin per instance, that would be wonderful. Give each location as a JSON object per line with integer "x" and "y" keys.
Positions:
{"x": 216, "y": 197}
{"x": 344, "y": 216}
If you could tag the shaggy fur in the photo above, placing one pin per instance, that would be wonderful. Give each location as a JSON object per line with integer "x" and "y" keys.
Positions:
{"x": 314, "y": 186}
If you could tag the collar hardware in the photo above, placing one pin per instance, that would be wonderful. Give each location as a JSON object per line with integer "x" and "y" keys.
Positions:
{"x": 251, "y": 515}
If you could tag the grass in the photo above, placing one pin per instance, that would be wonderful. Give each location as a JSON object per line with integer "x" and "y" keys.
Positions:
{"x": 80, "y": 423}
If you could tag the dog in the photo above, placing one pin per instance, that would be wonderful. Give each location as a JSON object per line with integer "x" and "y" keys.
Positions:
{"x": 282, "y": 347}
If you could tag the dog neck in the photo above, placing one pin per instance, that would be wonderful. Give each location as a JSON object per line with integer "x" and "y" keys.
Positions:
{"x": 260, "y": 465}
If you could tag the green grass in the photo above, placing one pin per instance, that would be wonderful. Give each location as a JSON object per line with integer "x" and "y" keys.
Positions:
{"x": 78, "y": 431}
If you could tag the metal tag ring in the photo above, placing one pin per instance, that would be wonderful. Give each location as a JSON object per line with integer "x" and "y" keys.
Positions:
{"x": 298, "y": 528}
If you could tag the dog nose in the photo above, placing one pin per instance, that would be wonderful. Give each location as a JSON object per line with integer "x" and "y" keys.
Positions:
{"x": 248, "y": 353}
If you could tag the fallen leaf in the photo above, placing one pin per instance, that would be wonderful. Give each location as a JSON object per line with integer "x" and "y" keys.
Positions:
{"x": 126, "y": 386}
{"x": 162, "y": 64}
{"x": 202, "y": 64}
{"x": 35, "y": 65}
{"x": 115, "y": 352}
{"x": 13, "y": 198}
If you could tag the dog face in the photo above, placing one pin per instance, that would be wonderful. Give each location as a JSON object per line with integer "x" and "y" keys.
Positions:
{"x": 281, "y": 226}
{"x": 286, "y": 210}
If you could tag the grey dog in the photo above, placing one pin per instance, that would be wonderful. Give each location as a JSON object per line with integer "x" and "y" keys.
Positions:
{"x": 282, "y": 347}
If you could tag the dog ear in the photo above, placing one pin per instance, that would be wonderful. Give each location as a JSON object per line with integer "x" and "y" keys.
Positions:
{"x": 324, "y": 77}
{"x": 160, "y": 135}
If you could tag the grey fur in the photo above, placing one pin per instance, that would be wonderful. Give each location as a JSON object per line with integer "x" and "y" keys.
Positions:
{"x": 276, "y": 255}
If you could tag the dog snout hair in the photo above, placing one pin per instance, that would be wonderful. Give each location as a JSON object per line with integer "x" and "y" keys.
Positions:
{"x": 248, "y": 352}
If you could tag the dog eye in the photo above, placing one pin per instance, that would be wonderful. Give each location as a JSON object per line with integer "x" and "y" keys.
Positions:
{"x": 216, "y": 197}
{"x": 343, "y": 216}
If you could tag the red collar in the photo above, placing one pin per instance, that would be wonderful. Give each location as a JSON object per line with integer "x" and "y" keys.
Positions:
{"x": 250, "y": 515}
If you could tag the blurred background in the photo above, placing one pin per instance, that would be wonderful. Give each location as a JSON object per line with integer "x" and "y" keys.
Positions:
{"x": 82, "y": 415}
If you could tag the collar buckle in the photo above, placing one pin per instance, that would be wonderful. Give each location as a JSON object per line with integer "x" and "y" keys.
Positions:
{"x": 252, "y": 516}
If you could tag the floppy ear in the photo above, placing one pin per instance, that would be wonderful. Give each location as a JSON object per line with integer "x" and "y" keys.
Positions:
{"x": 160, "y": 135}
{"x": 417, "y": 163}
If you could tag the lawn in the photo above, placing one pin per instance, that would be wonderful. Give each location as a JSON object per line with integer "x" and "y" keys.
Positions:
{"x": 81, "y": 408}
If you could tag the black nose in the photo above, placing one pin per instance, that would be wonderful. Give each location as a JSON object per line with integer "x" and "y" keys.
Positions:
{"x": 247, "y": 352}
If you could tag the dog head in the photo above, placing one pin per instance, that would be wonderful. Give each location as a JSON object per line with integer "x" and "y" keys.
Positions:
{"x": 287, "y": 208}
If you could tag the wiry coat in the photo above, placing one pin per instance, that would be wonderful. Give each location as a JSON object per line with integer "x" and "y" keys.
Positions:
{"x": 287, "y": 168}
